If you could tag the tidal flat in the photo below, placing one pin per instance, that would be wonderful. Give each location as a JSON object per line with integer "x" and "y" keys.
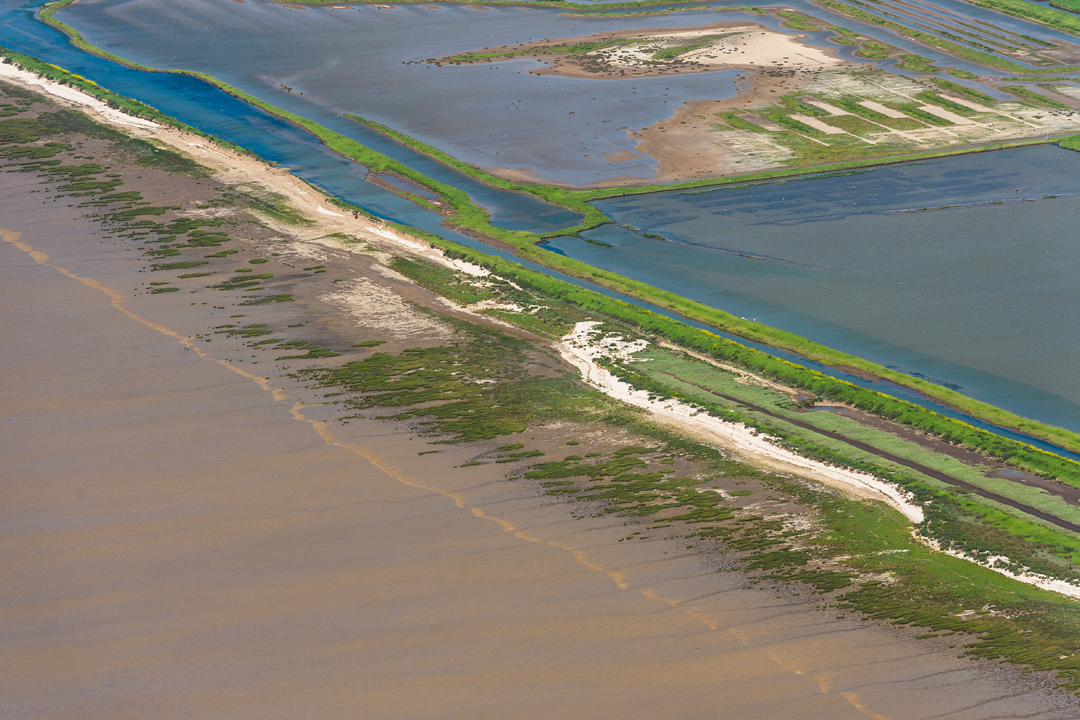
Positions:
{"x": 190, "y": 529}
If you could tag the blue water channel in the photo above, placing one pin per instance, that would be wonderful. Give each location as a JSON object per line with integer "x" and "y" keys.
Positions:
{"x": 213, "y": 111}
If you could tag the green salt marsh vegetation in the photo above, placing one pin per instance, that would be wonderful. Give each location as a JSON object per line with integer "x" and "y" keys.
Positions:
{"x": 751, "y": 514}
{"x": 474, "y": 389}
{"x": 1020, "y": 624}
{"x": 469, "y": 217}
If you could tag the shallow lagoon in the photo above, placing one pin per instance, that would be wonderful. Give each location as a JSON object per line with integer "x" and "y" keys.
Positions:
{"x": 1010, "y": 343}
{"x": 359, "y": 58}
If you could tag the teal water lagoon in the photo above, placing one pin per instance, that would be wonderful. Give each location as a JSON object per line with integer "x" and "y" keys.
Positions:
{"x": 963, "y": 270}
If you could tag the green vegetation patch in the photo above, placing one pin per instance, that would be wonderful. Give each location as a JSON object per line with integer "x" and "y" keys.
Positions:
{"x": 1071, "y": 143}
{"x": 476, "y": 389}
{"x": 280, "y": 297}
{"x": 177, "y": 265}
{"x": 447, "y": 283}
{"x": 149, "y": 155}
{"x": 1035, "y": 98}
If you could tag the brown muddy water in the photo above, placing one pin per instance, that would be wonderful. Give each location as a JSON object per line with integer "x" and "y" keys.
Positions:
{"x": 178, "y": 541}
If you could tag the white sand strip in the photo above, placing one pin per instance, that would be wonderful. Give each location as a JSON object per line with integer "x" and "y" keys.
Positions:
{"x": 946, "y": 115}
{"x": 55, "y": 89}
{"x": 831, "y": 109}
{"x": 878, "y": 107}
{"x": 818, "y": 124}
{"x": 997, "y": 563}
{"x": 580, "y": 349}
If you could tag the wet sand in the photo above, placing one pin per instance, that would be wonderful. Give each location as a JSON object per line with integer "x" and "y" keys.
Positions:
{"x": 179, "y": 540}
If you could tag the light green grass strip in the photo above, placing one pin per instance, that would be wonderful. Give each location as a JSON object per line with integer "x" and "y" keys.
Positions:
{"x": 940, "y": 43}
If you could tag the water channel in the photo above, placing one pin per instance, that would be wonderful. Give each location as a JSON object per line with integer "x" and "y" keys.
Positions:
{"x": 972, "y": 319}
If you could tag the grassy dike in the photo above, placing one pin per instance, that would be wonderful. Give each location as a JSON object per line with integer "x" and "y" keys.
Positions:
{"x": 113, "y": 100}
{"x": 1017, "y": 8}
{"x": 468, "y": 217}
{"x": 1056, "y": 19}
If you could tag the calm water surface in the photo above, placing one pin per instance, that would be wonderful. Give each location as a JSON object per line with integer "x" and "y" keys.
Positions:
{"x": 359, "y": 59}
{"x": 982, "y": 296}
{"x": 977, "y": 297}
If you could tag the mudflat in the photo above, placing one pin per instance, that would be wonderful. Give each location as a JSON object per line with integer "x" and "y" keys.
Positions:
{"x": 185, "y": 533}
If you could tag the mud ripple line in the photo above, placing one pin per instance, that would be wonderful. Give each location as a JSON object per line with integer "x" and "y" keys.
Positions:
{"x": 117, "y": 302}
{"x": 322, "y": 429}
{"x": 857, "y": 703}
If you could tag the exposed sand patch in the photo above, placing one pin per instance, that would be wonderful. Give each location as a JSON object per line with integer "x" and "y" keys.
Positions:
{"x": 657, "y": 51}
{"x": 759, "y": 47}
{"x": 581, "y": 349}
{"x": 698, "y": 142}
{"x": 946, "y": 115}
{"x": 372, "y": 306}
{"x": 831, "y": 109}
{"x": 621, "y": 156}
{"x": 879, "y": 108}
{"x": 817, "y": 124}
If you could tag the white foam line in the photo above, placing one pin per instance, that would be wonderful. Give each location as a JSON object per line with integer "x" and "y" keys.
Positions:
{"x": 996, "y": 563}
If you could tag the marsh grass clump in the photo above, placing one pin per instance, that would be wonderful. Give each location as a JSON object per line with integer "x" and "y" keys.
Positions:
{"x": 177, "y": 265}
{"x": 248, "y": 331}
{"x": 280, "y": 297}
{"x": 242, "y": 281}
{"x": 475, "y": 389}
{"x": 441, "y": 280}
{"x": 149, "y": 155}
{"x": 313, "y": 350}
